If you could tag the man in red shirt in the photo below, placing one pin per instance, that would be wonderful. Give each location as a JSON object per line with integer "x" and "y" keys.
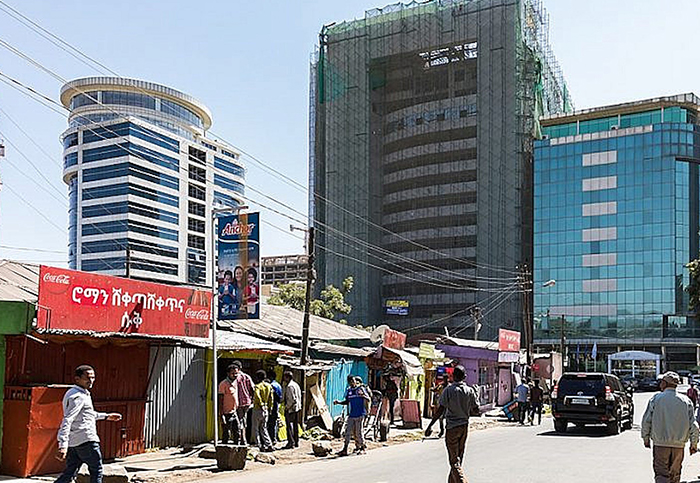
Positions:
{"x": 244, "y": 383}
{"x": 228, "y": 404}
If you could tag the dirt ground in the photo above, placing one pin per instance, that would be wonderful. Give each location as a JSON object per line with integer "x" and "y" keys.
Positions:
{"x": 299, "y": 455}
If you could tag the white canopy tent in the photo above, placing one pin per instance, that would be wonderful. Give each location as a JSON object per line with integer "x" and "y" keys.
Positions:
{"x": 635, "y": 356}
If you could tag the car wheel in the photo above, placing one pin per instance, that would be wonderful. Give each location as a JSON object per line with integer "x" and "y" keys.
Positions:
{"x": 560, "y": 425}
{"x": 614, "y": 427}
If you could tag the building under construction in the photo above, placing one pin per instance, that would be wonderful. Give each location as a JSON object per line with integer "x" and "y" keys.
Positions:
{"x": 423, "y": 117}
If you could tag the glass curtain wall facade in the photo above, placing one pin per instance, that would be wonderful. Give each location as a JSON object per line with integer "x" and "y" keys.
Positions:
{"x": 142, "y": 180}
{"x": 422, "y": 121}
{"x": 616, "y": 220}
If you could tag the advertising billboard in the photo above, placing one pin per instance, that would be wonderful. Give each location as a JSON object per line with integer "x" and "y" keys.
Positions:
{"x": 72, "y": 300}
{"x": 238, "y": 269}
{"x": 396, "y": 307}
{"x": 508, "y": 340}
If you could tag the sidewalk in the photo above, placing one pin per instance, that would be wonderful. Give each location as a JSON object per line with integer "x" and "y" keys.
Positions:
{"x": 178, "y": 465}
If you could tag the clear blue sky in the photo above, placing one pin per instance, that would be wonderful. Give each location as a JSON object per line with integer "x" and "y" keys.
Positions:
{"x": 249, "y": 62}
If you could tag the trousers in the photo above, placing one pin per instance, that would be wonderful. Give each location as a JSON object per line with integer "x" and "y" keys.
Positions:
{"x": 456, "y": 442}
{"x": 262, "y": 437}
{"x": 291, "y": 419}
{"x": 88, "y": 453}
{"x": 667, "y": 464}
{"x": 231, "y": 429}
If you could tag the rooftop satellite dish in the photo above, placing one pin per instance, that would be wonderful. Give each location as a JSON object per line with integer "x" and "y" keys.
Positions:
{"x": 377, "y": 335}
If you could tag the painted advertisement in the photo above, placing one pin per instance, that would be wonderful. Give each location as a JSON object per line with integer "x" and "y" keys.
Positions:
{"x": 238, "y": 270}
{"x": 72, "y": 300}
{"x": 508, "y": 340}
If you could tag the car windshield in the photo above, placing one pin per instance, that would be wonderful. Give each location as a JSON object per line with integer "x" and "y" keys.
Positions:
{"x": 589, "y": 386}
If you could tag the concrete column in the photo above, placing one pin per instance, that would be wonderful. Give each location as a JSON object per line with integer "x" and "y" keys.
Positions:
{"x": 663, "y": 364}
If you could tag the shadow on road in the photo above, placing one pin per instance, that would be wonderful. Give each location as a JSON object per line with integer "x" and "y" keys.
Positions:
{"x": 585, "y": 432}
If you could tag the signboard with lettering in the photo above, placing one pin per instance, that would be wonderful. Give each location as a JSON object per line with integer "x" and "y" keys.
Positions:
{"x": 394, "y": 339}
{"x": 396, "y": 307}
{"x": 238, "y": 271}
{"x": 508, "y": 340}
{"x": 72, "y": 300}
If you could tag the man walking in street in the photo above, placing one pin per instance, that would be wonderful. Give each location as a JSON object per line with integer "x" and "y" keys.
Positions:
{"x": 228, "y": 404}
{"x": 274, "y": 412}
{"x": 458, "y": 402}
{"x": 244, "y": 383}
{"x": 522, "y": 391}
{"x": 262, "y": 404}
{"x": 78, "y": 442}
{"x": 291, "y": 398}
{"x": 355, "y": 398}
{"x": 536, "y": 403}
{"x": 669, "y": 422}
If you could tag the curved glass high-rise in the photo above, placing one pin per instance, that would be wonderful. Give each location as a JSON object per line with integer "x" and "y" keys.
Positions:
{"x": 142, "y": 179}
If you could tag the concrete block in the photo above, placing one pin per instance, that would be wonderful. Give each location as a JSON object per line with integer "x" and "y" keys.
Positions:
{"x": 231, "y": 457}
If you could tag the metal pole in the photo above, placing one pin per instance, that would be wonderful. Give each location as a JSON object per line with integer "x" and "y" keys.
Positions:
{"x": 563, "y": 340}
{"x": 307, "y": 302}
{"x": 214, "y": 315}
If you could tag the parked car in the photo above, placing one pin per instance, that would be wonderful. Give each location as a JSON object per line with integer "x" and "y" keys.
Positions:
{"x": 648, "y": 384}
{"x": 592, "y": 398}
{"x": 630, "y": 381}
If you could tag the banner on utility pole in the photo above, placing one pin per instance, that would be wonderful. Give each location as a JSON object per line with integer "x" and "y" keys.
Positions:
{"x": 238, "y": 268}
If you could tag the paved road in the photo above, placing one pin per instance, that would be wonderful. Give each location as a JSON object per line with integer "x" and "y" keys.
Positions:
{"x": 505, "y": 454}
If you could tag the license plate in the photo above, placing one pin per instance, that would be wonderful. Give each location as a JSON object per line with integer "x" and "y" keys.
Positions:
{"x": 580, "y": 400}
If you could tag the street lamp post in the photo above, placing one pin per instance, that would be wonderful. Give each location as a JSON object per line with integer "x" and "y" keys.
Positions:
{"x": 214, "y": 315}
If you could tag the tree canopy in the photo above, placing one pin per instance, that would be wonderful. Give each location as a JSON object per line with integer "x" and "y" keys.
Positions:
{"x": 330, "y": 303}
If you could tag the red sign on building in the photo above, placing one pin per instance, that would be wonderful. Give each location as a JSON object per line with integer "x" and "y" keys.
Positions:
{"x": 508, "y": 340}
{"x": 88, "y": 301}
{"x": 393, "y": 339}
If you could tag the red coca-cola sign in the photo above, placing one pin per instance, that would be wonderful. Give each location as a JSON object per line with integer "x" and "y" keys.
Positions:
{"x": 88, "y": 301}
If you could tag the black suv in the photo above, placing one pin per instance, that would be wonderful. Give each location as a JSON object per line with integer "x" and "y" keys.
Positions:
{"x": 592, "y": 398}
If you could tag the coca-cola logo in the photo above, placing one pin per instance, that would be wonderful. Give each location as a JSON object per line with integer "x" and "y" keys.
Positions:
{"x": 62, "y": 279}
{"x": 236, "y": 228}
{"x": 201, "y": 314}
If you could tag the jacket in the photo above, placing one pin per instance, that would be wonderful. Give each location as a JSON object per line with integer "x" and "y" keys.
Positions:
{"x": 669, "y": 420}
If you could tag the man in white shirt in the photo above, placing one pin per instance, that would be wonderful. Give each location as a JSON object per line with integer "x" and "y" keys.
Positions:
{"x": 522, "y": 391}
{"x": 78, "y": 442}
{"x": 291, "y": 398}
{"x": 669, "y": 422}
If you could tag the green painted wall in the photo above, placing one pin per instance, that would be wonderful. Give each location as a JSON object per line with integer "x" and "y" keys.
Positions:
{"x": 2, "y": 385}
{"x": 16, "y": 317}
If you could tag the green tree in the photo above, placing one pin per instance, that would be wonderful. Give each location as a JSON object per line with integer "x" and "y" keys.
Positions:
{"x": 331, "y": 302}
{"x": 693, "y": 287}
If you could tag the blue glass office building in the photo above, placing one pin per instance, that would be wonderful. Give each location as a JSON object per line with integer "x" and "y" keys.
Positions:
{"x": 142, "y": 179}
{"x": 615, "y": 221}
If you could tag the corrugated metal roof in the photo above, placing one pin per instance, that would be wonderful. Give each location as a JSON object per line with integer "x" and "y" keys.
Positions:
{"x": 342, "y": 350}
{"x": 225, "y": 340}
{"x": 477, "y": 344}
{"x": 276, "y": 321}
{"x": 19, "y": 282}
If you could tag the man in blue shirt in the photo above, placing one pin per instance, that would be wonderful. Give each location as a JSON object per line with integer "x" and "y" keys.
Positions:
{"x": 355, "y": 397}
{"x": 274, "y": 412}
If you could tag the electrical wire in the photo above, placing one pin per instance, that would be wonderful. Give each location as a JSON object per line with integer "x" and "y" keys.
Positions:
{"x": 80, "y": 55}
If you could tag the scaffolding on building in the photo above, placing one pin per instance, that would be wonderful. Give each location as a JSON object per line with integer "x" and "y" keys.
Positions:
{"x": 422, "y": 120}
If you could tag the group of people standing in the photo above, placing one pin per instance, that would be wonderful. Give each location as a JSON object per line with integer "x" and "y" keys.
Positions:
{"x": 529, "y": 396}
{"x": 240, "y": 393}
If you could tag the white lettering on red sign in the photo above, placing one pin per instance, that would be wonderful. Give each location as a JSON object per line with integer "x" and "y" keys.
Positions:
{"x": 236, "y": 228}
{"x": 62, "y": 279}
{"x": 128, "y": 321}
{"x": 197, "y": 314}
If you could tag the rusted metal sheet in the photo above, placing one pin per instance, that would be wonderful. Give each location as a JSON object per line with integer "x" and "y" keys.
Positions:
{"x": 176, "y": 408}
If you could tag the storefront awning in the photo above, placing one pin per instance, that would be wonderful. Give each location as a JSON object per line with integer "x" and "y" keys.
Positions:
{"x": 411, "y": 363}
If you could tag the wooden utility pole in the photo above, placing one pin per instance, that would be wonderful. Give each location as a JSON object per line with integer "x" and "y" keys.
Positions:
{"x": 563, "y": 338}
{"x": 128, "y": 262}
{"x": 525, "y": 287}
